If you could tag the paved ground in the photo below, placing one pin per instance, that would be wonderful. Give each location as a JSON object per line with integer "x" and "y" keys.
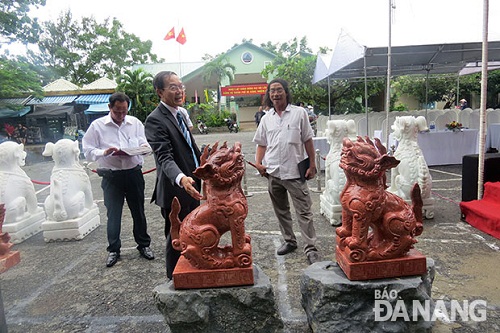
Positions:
{"x": 65, "y": 287}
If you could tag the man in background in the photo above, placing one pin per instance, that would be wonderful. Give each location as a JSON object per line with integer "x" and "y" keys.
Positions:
{"x": 121, "y": 174}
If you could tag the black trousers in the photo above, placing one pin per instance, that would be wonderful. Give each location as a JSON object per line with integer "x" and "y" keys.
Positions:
{"x": 171, "y": 254}
{"x": 118, "y": 186}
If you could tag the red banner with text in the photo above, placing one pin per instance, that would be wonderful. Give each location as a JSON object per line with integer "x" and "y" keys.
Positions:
{"x": 244, "y": 89}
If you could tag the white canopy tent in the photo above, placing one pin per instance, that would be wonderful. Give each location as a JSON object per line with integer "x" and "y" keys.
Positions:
{"x": 351, "y": 60}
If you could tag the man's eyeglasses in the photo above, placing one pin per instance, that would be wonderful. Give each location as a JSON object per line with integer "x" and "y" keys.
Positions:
{"x": 174, "y": 87}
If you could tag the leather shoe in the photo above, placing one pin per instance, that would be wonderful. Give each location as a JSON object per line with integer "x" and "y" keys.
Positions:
{"x": 286, "y": 248}
{"x": 312, "y": 257}
{"x": 112, "y": 258}
{"x": 146, "y": 252}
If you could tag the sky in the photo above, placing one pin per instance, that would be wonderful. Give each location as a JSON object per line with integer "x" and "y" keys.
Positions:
{"x": 213, "y": 27}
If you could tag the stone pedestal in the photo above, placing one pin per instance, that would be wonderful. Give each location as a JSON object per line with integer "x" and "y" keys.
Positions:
{"x": 331, "y": 211}
{"x": 334, "y": 303}
{"x": 74, "y": 229}
{"x": 232, "y": 309}
{"x": 413, "y": 263}
{"x": 23, "y": 229}
{"x": 186, "y": 276}
{"x": 9, "y": 260}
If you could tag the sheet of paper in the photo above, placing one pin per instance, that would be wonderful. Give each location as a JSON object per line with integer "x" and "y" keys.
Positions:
{"x": 143, "y": 150}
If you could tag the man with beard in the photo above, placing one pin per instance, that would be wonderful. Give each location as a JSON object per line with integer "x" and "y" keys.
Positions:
{"x": 284, "y": 138}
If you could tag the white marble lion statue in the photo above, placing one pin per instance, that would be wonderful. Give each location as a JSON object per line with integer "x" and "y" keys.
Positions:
{"x": 16, "y": 189}
{"x": 335, "y": 179}
{"x": 412, "y": 168}
{"x": 70, "y": 190}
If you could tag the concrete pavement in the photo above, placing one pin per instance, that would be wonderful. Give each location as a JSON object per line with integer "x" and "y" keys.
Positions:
{"x": 66, "y": 287}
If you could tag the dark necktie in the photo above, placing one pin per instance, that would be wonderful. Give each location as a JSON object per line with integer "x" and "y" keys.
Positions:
{"x": 185, "y": 131}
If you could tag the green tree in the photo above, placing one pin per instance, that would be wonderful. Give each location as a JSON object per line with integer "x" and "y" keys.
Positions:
{"x": 219, "y": 69}
{"x": 82, "y": 51}
{"x": 15, "y": 23}
{"x": 138, "y": 86}
{"x": 18, "y": 80}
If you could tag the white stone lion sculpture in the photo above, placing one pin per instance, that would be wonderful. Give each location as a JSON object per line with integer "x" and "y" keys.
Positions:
{"x": 330, "y": 205}
{"x": 70, "y": 190}
{"x": 16, "y": 189}
{"x": 412, "y": 167}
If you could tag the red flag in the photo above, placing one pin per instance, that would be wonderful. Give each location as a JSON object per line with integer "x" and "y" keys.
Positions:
{"x": 181, "y": 38}
{"x": 170, "y": 35}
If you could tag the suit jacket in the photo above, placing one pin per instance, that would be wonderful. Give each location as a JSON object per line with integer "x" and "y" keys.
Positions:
{"x": 172, "y": 156}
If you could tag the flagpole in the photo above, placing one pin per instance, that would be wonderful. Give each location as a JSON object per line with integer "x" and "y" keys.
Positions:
{"x": 180, "y": 58}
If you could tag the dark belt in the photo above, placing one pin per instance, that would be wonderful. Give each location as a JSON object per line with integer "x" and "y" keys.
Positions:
{"x": 103, "y": 172}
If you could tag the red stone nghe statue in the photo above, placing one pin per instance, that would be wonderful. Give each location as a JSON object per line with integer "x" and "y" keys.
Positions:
{"x": 203, "y": 262}
{"x": 378, "y": 227}
{"x": 8, "y": 258}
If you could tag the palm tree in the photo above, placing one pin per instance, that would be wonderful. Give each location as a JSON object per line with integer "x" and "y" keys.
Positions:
{"x": 219, "y": 69}
{"x": 137, "y": 85}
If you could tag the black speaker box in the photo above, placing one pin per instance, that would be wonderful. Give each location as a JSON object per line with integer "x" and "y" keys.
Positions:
{"x": 470, "y": 163}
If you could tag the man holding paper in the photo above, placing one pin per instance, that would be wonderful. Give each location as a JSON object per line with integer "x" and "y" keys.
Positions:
{"x": 121, "y": 172}
{"x": 284, "y": 140}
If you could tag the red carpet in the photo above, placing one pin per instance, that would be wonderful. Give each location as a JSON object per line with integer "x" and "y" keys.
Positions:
{"x": 484, "y": 214}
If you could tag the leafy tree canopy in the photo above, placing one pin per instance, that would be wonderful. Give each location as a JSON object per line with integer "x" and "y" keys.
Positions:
{"x": 18, "y": 80}
{"x": 84, "y": 50}
{"x": 15, "y": 23}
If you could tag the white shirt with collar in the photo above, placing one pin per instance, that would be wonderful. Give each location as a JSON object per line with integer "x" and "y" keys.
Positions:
{"x": 104, "y": 133}
{"x": 284, "y": 137}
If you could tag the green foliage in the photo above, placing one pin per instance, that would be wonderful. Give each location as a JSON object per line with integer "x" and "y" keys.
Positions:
{"x": 15, "y": 23}
{"x": 85, "y": 50}
{"x": 206, "y": 113}
{"x": 138, "y": 86}
{"x": 400, "y": 107}
{"x": 217, "y": 70}
{"x": 18, "y": 80}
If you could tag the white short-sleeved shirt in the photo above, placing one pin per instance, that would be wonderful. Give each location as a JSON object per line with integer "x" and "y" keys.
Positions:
{"x": 284, "y": 139}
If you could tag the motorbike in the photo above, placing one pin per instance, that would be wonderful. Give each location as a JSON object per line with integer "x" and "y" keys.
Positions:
{"x": 231, "y": 125}
{"x": 202, "y": 128}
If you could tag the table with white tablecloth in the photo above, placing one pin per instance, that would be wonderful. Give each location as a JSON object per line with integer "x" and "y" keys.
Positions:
{"x": 493, "y": 136}
{"x": 448, "y": 147}
{"x": 324, "y": 147}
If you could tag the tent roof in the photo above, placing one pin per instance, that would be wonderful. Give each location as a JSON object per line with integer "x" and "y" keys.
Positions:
{"x": 347, "y": 60}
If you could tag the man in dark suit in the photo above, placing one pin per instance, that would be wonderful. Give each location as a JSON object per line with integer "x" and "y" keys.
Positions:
{"x": 176, "y": 156}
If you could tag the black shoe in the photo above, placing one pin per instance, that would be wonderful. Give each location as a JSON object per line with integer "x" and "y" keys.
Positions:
{"x": 112, "y": 258}
{"x": 312, "y": 257}
{"x": 146, "y": 252}
{"x": 286, "y": 248}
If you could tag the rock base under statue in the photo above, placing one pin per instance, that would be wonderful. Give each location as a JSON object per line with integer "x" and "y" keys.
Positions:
{"x": 20, "y": 231}
{"x": 332, "y": 212}
{"x": 334, "y": 303}
{"x": 69, "y": 230}
{"x": 234, "y": 309}
{"x": 186, "y": 276}
{"x": 414, "y": 263}
{"x": 8, "y": 260}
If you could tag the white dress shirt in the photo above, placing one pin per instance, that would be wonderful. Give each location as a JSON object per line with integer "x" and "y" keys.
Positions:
{"x": 284, "y": 139}
{"x": 104, "y": 133}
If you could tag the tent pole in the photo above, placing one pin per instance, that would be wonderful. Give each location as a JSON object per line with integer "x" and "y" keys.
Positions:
{"x": 388, "y": 87}
{"x": 366, "y": 94}
{"x": 329, "y": 101}
{"x": 458, "y": 90}
{"x": 426, "y": 91}
{"x": 484, "y": 86}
